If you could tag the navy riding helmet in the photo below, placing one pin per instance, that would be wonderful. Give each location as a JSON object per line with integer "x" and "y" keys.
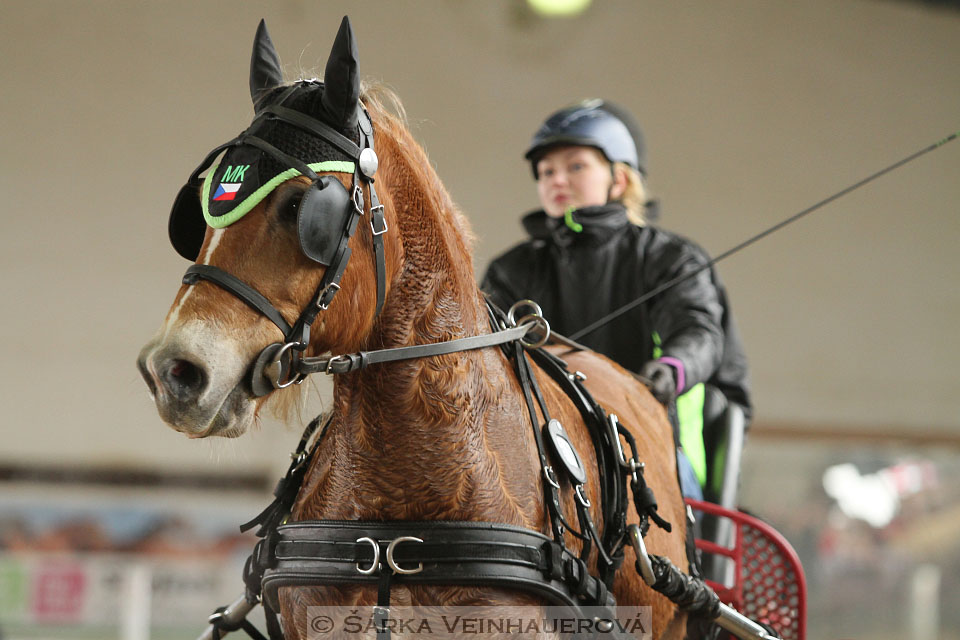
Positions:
{"x": 592, "y": 123}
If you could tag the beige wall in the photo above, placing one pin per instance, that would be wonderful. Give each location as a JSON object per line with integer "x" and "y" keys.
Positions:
{"x": 752, "y": 110}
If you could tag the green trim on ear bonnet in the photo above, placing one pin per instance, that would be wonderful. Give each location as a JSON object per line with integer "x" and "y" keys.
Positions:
{"x": 227, "y": 190}
{"x": 283, "y": 135}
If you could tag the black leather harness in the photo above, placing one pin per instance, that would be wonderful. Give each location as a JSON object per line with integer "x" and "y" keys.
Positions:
{"x": 316, "y": 553}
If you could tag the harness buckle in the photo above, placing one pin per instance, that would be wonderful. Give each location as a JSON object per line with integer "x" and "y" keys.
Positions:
{"x": 335, "y": 359}
{"x": 551, "y": 477}
{"x": 581, "y": 498}
{"x": 357, "y": 198}
{"x": 376, "y": 557}
{"x": 326, "y": 296}
{"x": 376, "y": 214}
{"x": 393, "y": 564}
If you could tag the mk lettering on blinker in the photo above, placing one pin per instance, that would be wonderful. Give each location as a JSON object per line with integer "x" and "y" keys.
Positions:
{"x": 234, "y": 173}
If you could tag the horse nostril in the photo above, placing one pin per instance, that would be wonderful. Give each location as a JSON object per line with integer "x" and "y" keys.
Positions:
{"x": 184, "y": 379}
{"x": 145, "y": 374}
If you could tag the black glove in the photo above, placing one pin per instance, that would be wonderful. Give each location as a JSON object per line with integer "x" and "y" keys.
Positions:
{"x": 660, "y": 378}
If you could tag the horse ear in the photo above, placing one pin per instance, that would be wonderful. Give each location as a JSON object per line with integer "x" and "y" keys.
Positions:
{"x": 341, "y": 84}
{"x": 265, "y": 71}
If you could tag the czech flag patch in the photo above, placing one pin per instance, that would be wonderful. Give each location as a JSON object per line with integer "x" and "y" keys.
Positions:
{"x": 227, "y": 191}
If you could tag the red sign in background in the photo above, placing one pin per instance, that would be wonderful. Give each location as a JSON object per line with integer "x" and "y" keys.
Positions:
{"x": 59, "y": 591}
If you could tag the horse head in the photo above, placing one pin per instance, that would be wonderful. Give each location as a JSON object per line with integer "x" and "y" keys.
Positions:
{"x": 272, "y": 227}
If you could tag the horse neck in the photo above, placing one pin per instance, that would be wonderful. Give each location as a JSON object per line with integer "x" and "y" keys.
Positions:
{"x": 433, "y": 298}
{"x": 415, "y": 430}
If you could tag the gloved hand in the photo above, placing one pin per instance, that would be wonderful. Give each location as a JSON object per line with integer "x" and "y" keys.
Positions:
{"x": 660, "y": 377}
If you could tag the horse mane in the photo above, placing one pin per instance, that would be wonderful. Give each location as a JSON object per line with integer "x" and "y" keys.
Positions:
{"x": 387, "y": 111}
{"x": 391, "y": 126}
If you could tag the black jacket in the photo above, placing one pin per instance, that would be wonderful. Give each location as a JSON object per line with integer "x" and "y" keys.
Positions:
{"x": 579, "y": 277}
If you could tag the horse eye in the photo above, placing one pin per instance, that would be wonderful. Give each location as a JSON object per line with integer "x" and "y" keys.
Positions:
{"x": 290, "y": 206}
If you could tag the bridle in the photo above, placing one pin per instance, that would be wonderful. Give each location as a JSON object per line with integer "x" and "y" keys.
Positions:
{"x": 328, "y": 218}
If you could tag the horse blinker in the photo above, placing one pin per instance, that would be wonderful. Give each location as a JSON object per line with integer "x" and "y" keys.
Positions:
{"x": 187, "y": 226}
{"x": 324, "y": 213}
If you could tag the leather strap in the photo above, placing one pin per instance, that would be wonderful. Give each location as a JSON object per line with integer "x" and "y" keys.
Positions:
{"x": 314, "y": 127}
{"x": 452, "y": 553}
{"x": 549, "y": 479}
{"x": 265, "y": 146}
{"x": 378, "y": 226}
{"x": 239, "y": 288}
{"x": 613, "y": 488}
{"x": 347, "y": 362}
{"x": 381, "y": 614}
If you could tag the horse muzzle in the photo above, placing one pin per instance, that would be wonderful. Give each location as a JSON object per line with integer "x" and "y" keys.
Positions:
{"x": 195, "y": 393}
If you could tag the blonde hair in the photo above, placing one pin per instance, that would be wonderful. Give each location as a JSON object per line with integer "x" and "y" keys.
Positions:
{"x": 635, "y": 197}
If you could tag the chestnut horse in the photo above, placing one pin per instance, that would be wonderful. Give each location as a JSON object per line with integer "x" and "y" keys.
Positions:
{"x": 444, "y": 437}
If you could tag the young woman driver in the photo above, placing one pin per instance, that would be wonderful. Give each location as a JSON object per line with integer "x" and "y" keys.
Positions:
{"x": 592, "y": 250}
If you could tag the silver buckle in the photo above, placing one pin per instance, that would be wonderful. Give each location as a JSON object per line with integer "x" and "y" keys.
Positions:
{"x": 378, "y": 208}
{"x": 357, "y": 198}
{"x": 376, "y": 557}
{"x": 332, "y": 289}
{"x": 551, "y": 477}
{"x": 581, "y": 498}
{"x": 392, "y": 547}
{"x": 341, "y": 358}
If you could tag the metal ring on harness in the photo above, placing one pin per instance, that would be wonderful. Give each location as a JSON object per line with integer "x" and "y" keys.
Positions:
{"x": 644, "y": 565}
{"x": 275, "y": 370}
{"x": 276, "y": 367}
{"x": 538, "y": 322}
{"x": 393, "y": 563}
{"x": 376, "y": 556}
{"x": 520, "y": 304}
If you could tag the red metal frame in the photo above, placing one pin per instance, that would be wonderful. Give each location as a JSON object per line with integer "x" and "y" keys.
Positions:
{"x": 769, "y": 584}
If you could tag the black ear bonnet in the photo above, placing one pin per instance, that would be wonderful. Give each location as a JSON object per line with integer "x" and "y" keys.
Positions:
{"x": 282, "y": 142}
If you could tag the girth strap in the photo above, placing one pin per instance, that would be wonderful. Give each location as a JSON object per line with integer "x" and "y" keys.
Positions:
{"x": 452, "y": 553}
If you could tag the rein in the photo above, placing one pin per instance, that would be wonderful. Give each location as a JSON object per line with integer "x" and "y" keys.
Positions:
{"x": 616, "y": 313}
{"x": 348, "y": 362}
